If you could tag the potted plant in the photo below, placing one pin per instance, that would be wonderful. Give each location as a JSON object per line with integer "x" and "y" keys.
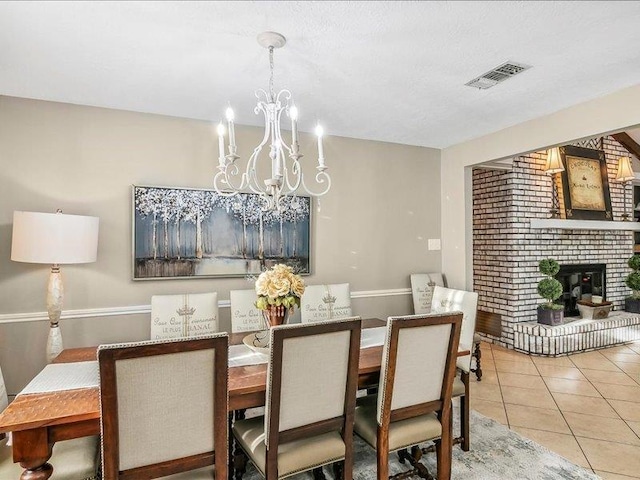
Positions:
{"x": 550, "y": 289}
{"x": 632, "y": 302}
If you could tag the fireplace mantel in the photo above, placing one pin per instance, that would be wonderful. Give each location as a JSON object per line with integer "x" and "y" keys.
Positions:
{"x": 558, "y": 223}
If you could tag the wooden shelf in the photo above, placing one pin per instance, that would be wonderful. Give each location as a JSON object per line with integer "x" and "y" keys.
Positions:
{"x": 540, "y": 223}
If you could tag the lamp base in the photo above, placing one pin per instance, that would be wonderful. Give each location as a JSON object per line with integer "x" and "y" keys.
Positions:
{"x": 54, "y": 343}
{"x": 55, "y": 295}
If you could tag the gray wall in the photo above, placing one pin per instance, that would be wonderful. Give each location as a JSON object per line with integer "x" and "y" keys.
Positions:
{"x": 371, "y": 231}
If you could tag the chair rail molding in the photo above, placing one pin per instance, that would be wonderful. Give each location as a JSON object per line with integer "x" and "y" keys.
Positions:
{"x": 146, "y": 309}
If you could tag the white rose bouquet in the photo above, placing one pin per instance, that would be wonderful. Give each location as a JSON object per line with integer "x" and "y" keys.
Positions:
{"x": 279, "y": 287}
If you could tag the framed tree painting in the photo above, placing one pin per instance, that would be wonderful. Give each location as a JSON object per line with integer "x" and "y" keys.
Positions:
{"x": 193, "y": 233}
{"x": 585, "y": 184}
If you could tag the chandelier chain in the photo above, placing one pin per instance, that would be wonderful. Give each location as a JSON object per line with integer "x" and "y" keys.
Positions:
{"x": 271, "y": 91}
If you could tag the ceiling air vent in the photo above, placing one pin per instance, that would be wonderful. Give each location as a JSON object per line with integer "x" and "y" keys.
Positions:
{"x": 497, "y": 75}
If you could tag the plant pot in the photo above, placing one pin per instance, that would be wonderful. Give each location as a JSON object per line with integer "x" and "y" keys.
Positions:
{"x": 547, "y": 316}
{"x": 632, "y": 305}
{"x": 594, "y": 311}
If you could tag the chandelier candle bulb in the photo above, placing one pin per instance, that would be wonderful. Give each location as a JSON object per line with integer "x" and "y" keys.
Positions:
{"x": 278, "y": 169}
{"x": 320, "y": 133}
{"x": 221, "y": 144}
{"x": 232, "y": 131}
{"x": 293, "y": 113}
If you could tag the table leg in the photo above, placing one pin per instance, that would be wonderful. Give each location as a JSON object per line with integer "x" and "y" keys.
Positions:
{"x": 478, "y": 354}
{"x": 32, "y": 449}
{"x": 237, "y": 459}
{"x": 32, "y": 472}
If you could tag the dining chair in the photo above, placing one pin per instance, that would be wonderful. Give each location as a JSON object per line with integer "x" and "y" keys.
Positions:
{"x": 447, "y": 300}
{"x": 321, "y": 303}
{"x": 422, "y": 285}
{"x": 187, "y": 315}
{"x": 73, "y": 459}
{"x": 413, "y": 404}
{"x": 245, "y": 316}
{"x": 310, "y": 399}
{"x": 150, "y": 388}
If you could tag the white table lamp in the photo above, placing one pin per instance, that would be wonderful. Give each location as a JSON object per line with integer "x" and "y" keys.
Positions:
{"x": 55, "y": 239}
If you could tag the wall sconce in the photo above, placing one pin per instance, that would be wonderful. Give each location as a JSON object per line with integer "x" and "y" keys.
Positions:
{"x": 625, "y": 175}
{"x": 553, "y": 166}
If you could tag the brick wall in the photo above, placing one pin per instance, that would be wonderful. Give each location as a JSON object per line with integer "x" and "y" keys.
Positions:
{"x": 506, "y": 251}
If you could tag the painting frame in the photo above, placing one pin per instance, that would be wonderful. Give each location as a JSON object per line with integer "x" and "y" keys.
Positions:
{"x": 585, "y": 184}
{"x": 297, "y": 223}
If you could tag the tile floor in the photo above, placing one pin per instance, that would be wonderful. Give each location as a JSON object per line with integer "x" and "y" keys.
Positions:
{"x": 585, "y": 407}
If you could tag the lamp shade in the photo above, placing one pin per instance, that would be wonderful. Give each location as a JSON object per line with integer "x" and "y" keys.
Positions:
{"x": 625, "y": 172}
{"x": 54, "y": 238}
{"x": 554, "y": 163}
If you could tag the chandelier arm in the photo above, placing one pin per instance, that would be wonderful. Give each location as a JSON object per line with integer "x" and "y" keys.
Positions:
{"x": 279, "y": 112}
{"x": 225, "y": 176}
{"x": 321, "y": 177}
{"x": 296, "y": 172}
{"x": 286, "y": 93}
{"x": 254, "y": 186}
{"x": 252, "y": 178}
{"x": 262, "y": 96}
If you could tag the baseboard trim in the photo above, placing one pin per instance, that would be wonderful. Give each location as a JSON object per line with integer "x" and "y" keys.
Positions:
{"x": 145, "y": 309}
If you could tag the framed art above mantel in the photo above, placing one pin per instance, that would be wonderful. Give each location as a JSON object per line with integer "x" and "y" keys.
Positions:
{"x": 585, "y": 184}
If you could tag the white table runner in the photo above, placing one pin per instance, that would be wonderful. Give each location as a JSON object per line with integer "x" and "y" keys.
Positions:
{"x": 64, "y": 376}
{"x": 71, "y": 376}
{"x": 372, "y": 337}
{"x": 241, "y": 355}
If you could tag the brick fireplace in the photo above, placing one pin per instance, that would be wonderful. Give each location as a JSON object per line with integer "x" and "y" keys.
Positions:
{"x": 506, "y": 250}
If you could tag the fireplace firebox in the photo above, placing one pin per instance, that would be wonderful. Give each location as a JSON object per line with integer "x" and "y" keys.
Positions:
{"x": 580, "y": 282}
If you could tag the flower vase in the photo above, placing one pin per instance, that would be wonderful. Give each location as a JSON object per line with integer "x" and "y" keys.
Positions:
{"x": 275, "y": 316}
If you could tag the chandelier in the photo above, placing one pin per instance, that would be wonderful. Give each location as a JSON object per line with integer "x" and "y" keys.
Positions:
{"x": 286, "y": 177}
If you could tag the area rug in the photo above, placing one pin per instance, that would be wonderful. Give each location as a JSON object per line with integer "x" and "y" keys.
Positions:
{"x": 497, "y": 453}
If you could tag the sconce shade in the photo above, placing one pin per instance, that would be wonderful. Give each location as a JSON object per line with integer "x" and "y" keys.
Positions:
{"x": 625, "y": 172}
{"x": 554, "y": 163}
{"x": 54, "y": 238}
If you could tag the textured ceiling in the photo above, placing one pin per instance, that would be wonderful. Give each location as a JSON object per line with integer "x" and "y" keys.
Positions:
{"x": 391, "y": 71}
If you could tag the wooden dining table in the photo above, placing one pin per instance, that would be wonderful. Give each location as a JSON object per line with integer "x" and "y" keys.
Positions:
{"x": 39, "y": 420}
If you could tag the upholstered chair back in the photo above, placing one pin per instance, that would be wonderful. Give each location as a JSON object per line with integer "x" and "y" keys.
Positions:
{"x": 422, "y": 285}
{"x": 245, "y": 317}
{"x": 182, "y": 316}
{"x": 312, "y": 374}
{"x": 448, "y": 300}
{"x": 418, "y": 361}
{"x": 164, "y": 403}
{"x": 321, "y": 303}
{"x": 4, "y": 399}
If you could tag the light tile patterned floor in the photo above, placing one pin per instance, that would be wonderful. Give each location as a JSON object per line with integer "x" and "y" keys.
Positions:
{"x": 585, "y": 407}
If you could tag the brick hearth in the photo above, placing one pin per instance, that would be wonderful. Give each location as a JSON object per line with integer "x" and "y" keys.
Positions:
{"x": 576, "y": 336}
